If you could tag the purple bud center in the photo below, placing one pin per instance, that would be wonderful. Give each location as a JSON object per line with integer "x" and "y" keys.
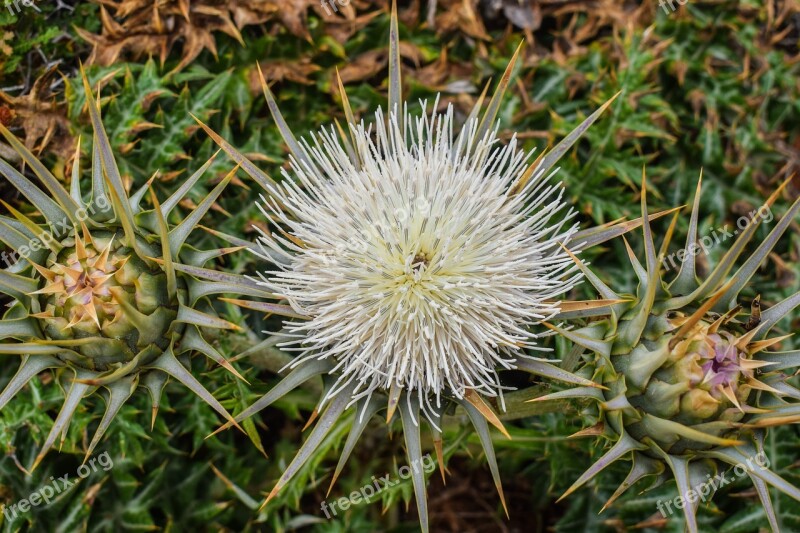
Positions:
{"x": 720, "y": 360}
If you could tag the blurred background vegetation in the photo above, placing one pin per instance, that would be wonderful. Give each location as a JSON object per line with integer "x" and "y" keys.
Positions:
{"x": 712, "y": 86}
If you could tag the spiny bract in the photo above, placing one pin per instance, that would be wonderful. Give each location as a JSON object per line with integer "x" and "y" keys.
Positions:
{"x": 104, "y": 292}
{"x": 678, "y": 378}
{"x": 414, "y": 265}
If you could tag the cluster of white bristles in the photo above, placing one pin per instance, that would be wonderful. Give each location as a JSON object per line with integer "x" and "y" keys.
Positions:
{"x": 423, "y": 269}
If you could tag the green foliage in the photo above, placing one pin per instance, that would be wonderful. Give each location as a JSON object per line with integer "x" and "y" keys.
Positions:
{"x": 704, "y": 88}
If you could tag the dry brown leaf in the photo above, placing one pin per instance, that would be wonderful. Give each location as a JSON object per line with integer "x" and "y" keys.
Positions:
{"x": 445, "y": 76}
{"x": 341, "y": 28}
{"x": 138, "y": 28}
{"x": 42, "y": 119}
{"x": 461, "y": 15}
{"x": 5, "y": 38}
{"x": 142, "y": 27}
{"x": 364, "y": 66}
{"x": 296, "y": 71}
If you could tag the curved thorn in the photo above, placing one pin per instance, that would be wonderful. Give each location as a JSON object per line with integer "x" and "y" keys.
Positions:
{"x": 294, "y": 379}
{"x": 482, "y": 428}
{"x": 624, "y": 445}
{"x": 409, "y": 415}
{"x": 362, "y": 417}
{"x": 77, "y": 391}
{"x": 30, "y": 367}
{"x": 331, "y": 415}
{"x": 540, "y": 368}
{"x": 119, "y": 392}
{"x": 167, "y": 362}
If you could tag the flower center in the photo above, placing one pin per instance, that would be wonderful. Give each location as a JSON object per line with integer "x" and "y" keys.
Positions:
{"x": 719, "y": 359}
{"x": 420, "y": 262}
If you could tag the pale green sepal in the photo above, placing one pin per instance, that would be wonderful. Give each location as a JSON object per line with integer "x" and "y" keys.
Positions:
{"x": 642, "y": 363}
{"x": 746, "y": 271}
{"x": 554, "y": 155}
{"x": 118, "y": 393}
{"x": 102, "y": 209}
{"x": 294, "y": 379}
{"x": 13, "y": 238}
{"x": 675, "y": 430}
{"x": 169, "y": 364}
{"x": 155, "y": 381}
{"x": 481, "y": 426}
{"x": 364, "y": 412}
{"x": 735, "y": 456}
{"x": 248, "y": 166}
{"x": 782, "y": 360}
{"x": 395, "y": 79}
{"x": 489, "y": 117}
{"x": 409, "y": 416}
{"x": 600, "y": 346}
{"x": 74, "y": 395}
{"x": 574, "y": 393}
{"x": 623, "y": 446}
{"x": 61, "y": 196}
{"x": 540, "y": 368}
{"x": 188, "y": 315}
{"x": 193, "y": 340}
{"x": 30, "y": 367}
{"x": 686, "y": 280}
{"x": 52, "y": 212}
{"x": 680, "y": 469}
{"x": 329, "y": 417}
{"x": 106, "y": 156}
{"x": 19, "y": 328}
{"x": 181, "y": 232}
{"x": 170, "y": 203}
{"x": 222, "y": 282}
{"x": 774, "y": 314}
{"x": 642, "y": 467}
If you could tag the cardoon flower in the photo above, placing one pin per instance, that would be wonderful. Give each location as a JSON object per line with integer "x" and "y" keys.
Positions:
{"x": 689, "y": 383}
{"x": 421, "y": 268}
{"x": 106, "y": 294}
{"x": 415, "y": 260}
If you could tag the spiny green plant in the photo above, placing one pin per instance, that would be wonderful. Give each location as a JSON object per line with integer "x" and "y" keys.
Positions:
{"x": 413, "y": 312}
{"x": 107, "y": 294}
{"x": 149, "y": 121}
{"x": 678, "y": 378}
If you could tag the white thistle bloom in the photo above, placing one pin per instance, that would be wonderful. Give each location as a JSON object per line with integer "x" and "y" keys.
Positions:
{"x": 425, "y": 268}
{"x": 417, "y": 261}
